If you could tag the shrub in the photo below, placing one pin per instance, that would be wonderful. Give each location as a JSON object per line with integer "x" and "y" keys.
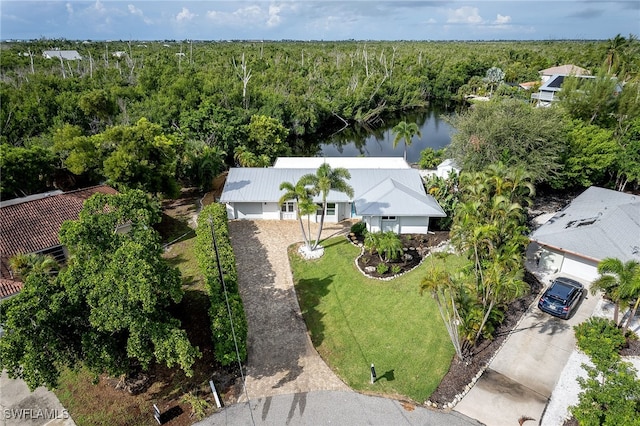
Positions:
{"x": 359, "y": 228}
{"x": 382, "y": 268}
{"x": 395, "y": 269}
{"x": 430, "y": 158}
{"x": 601, "y": 339}
{"x": 199, "y": 406}
{"x": 222, "y": 329}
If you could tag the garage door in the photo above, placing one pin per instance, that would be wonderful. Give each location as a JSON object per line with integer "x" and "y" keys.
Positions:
{"x": 580, "y": 268}
{"x": 249, "y": 210}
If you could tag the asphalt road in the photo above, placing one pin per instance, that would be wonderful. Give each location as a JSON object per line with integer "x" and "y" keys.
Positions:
{"x": 332, "y": 408}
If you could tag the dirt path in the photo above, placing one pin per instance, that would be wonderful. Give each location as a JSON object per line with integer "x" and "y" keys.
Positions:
{"x": 281, "y": 358}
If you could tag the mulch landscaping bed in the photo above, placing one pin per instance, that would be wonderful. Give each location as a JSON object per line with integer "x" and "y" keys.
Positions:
{"x": 460, "y": 374}
{"x": 415, "y": 248}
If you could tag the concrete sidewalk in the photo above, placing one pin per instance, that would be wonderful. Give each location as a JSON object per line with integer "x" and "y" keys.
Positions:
{"x": 524, "y": 372}
{"x": 20, "y": 406}
{"x": 332, "y": 408}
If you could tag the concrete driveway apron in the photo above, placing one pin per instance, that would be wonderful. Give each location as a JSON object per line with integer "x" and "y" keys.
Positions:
{"x": 524, "y": 372}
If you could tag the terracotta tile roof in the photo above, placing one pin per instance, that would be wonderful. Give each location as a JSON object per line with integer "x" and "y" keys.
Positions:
{"x": 33, "y": 225}
{"x": 9, "y": 287}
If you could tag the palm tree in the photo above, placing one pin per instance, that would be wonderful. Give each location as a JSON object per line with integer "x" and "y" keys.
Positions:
{"x": 495, "y": 76}
{"x": 615, "y": 49}
{"x": 325, "y": 180}
{"x": 25, "y": 264}
{"x": 437, "y": 282}
{"x": 631, "y": 292}
{"x": 390, "y": 246}
{"x": 246, "y": 158}
{"x": 618, "y": 281}
{"x": 406, "y": 131}
{"x": 303, "y": 197}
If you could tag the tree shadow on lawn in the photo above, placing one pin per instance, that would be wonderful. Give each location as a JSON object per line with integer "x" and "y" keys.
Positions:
{"x": 311, "y": 292}
{"x": 277, "y": 335}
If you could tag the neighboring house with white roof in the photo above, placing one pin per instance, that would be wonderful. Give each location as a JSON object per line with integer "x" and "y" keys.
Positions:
{"x": 388, "y": 194}
{"x": 597, "y": 224}
{"x": 446, "y": 167}
{"x": 68, "y": 55}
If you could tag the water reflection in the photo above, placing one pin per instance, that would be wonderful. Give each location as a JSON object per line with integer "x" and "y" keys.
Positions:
{"x": 377, "y": 140}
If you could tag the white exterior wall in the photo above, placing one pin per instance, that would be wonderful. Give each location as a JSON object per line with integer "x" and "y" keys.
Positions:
{"x": 553, "y": 261}
{"x": 405, "y": 224}
{"x": 373, "y": 223}
{"x": 550, "y": 260}
{"x": 414, "y": 225}
{"x": 231, "y": 212}
{"x": 270, "y": 211}
{"x": 579, "y": 267}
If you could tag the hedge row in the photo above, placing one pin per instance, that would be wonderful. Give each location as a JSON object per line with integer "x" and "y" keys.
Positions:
{"x": 224, "y": 347}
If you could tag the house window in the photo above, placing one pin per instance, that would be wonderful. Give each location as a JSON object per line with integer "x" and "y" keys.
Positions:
{"x": 287, "y": 207}
{"x": 388, "y": 218}
{"x": 331, "y": 209}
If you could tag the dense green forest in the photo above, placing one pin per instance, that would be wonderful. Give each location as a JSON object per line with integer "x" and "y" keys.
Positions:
{"x": 157, "y": 115}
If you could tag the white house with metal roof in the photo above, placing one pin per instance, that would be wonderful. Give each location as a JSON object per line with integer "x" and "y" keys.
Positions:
{"x": 69, "y": 55}
{"x": 388, "y": 195}
{"x": 597, "y": 224}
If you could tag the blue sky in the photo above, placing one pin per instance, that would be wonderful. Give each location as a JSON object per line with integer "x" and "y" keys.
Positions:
{"x": 318, "y": 20}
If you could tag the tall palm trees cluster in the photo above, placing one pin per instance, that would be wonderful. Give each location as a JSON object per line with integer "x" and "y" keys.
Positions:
{"x": 489, "y": 230}
{"x": 325, "y": 179}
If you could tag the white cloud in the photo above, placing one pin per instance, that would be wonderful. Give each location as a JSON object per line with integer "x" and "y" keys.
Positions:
{"x": 99, "y": 7}
{"x": 138, "y": 12}
{"x": 254, "y": 15}
{"x": 185, "y": 15}
{"x": 274, "y": 16}
{"x": 501, "y": 20}
{"x": 431, "y": 21}
{"x": 69, "y": 8}
{"x": 464, "y": 15}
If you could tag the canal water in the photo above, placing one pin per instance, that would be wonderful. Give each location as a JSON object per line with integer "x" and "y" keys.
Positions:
{"x": 377, "y": 140}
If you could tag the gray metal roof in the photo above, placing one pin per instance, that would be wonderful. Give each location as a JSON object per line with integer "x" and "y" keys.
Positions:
{"x": 391, "y": 198}
{"x": 70, "y": 55}
{"x": 599, "y": 223}
{"x": 263, "y": 185}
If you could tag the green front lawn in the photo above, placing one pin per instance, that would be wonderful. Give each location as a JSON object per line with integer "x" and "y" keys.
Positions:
{"x": 355, "y": 321}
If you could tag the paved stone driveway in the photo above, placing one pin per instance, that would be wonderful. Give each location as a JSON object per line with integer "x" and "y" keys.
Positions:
{"x": 281, "y": 357}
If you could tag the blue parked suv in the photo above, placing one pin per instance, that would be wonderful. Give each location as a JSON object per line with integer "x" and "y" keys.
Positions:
{"x": 562, "y": 297}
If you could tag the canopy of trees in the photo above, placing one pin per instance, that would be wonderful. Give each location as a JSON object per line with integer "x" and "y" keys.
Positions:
{"x": 108, "y": 309}
{"x": 509, "y": 131}
{"x": 248, "y": 100}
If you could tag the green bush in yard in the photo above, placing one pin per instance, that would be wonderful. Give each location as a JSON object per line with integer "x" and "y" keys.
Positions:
{"x": 226, "y": 334}
{"x": 611, "y": 391}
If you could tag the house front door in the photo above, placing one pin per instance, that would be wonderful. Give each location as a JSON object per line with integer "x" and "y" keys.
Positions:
{"x": 288, "y": 211}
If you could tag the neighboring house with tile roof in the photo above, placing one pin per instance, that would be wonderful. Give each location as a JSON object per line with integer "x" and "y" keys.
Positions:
{"x": 31, "y": 225}
{"x": 388, "y": 195}
{"x": 597, "y": 224}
